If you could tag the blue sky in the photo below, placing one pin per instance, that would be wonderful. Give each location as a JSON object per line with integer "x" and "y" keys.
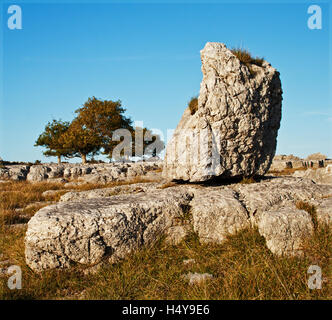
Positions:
{"x": 147, "y": 55}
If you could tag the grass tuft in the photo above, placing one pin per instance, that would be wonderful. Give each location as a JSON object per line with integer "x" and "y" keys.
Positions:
{"x": 193, "y": 105}
{"x": 248, "y": 180}
{"x": 246, "y": 58}
{"x": 311, "y": 209}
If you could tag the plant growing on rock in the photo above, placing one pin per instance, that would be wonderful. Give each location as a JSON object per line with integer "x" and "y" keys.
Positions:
{"x": 246, "y": 58}
{"x": 193, "y": 105}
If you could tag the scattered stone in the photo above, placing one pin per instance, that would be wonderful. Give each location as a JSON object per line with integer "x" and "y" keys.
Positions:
{"x": 197, "y": 278}
{"x": 93, "y": 270}
{"x": 89, "y": 173}
{"x": 18, "y": 226}
{"x": 5, "y": 263}
{"x": 51, "y": 193}
{"x": 189, "y": 261}
{"x": 38, "y": 204}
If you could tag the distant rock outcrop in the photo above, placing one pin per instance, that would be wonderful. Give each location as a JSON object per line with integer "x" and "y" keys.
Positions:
{"x": 89, "y": 173}
{"x": 234, "y": 131}
{"x": 317, "y": 156}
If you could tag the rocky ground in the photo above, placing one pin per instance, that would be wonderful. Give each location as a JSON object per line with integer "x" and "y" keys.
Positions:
{"x": 94, "y": 226}
{"x": 89, "y": 173}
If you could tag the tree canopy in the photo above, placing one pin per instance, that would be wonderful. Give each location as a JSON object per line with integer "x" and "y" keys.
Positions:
{"x": 81, "y": 139}
{"x": 50, "y": 139}
{"x": 99, "y": 125}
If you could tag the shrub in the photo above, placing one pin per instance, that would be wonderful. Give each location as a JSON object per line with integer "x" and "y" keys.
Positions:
{"x": 193, "y": 105}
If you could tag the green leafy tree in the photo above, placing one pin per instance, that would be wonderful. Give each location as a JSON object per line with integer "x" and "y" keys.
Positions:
{"x": 103, "y": 118}
{"x": 93, "y": 127}
{"x": 82, "y": 140}
{"x": 51, "y": 139}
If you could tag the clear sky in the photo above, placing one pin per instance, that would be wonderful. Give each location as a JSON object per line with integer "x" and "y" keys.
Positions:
{"x": 148, "y": 56}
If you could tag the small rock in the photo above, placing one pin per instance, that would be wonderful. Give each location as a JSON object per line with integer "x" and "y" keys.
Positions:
{"x": 39, "y": 203}
{"x": 176, "y": 234}
{"x": 18, "y": 226}
{"x": 5, "y": 263}
{"x": 197, "y": 278}
{"x": 188, "y": 261}
{"x": 50, "y": 193}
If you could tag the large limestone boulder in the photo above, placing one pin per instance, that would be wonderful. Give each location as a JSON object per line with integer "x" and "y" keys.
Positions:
{"x": 88, "y": 231}
{"x": 234, "y": 131}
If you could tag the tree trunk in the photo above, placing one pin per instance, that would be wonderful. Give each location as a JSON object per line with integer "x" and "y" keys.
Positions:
{"x": 59, "y": 159}
{"x": 83, "y": 158}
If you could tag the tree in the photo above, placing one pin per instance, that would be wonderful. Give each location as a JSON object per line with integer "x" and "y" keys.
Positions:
{"x": 51, "y": 139}
{"x": 81, "y": 139}
{"x": 103, "y": 118}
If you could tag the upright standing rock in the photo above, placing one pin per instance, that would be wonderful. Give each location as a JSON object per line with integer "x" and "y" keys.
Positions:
{"x": 234, "y": 131}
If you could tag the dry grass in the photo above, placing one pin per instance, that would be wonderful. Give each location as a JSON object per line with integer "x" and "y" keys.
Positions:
{"x": 243, "y": 267}
{"x": 167, "y": 185}
{"x": 193, "y": 105}
{"x": 311, "y": 209}
{"x": 245, "y": 57}
{"x": 247, "y": 180}
{"x": 286, "y": 171}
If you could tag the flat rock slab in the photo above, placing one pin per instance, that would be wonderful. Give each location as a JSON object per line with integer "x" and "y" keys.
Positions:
{"x": 94, "y": 226}
{"x": 87, "y": 231}
{"x": 285, "y": 229}
{"x": 108, "y": 192}
{"x": 274, "y": 193}
{"x": 217, "y": 213}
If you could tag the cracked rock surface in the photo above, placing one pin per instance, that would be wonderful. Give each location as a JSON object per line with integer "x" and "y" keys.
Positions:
{"x": 234, "y": 131}
{"x": 87, "y": 231}
{"x": 97, "y": 225}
